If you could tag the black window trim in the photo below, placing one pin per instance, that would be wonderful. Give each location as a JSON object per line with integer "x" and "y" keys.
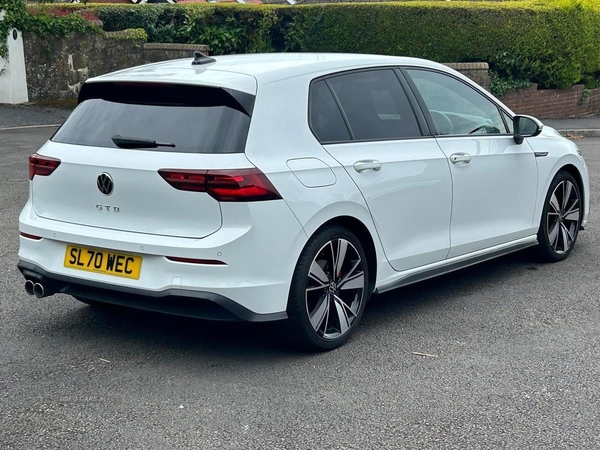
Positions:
{"x": 424, "y": 127}
{"x": 340, "y": 109}
{"x": 425, "y": 111}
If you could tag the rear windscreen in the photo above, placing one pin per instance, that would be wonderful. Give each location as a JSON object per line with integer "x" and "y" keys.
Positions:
{"x": 195, "y": 119}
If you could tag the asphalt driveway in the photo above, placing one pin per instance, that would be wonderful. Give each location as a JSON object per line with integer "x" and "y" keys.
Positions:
{"x": 514, "y": 345}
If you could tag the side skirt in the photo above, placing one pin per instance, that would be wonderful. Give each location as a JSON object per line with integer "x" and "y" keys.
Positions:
{"x": 458, "y": 262}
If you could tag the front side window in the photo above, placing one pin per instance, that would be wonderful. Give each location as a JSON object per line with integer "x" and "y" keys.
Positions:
{"x": 456, "y": 109}
{"x": 375, "y": 105}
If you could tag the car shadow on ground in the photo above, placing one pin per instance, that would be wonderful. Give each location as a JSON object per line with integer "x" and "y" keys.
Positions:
{"x": 143, "y": 332}
{"x": 450, "y": 287}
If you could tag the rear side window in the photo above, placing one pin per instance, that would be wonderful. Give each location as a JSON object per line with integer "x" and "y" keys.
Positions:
{"x": 375, "y": 105}
{"x": 194, "y": 119}
{"x": 325, "y": 117}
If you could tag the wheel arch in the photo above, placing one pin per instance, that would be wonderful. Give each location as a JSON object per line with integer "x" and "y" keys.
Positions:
{"x": 360, "y": 230}
{"x": 548, "y": 168}
{"x": 574, "y": 171}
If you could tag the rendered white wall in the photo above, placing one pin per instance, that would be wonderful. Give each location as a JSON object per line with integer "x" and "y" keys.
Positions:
{"x": 13, "y": 81}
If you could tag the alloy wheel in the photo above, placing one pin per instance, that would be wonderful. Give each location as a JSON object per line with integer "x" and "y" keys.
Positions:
{"x": 335, "y": 289}
{"x": 563, "y": 217}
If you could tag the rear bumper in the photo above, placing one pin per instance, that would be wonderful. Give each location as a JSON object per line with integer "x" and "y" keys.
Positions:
{"x": 181, "y": 302}
{"x": 259, "y": 247}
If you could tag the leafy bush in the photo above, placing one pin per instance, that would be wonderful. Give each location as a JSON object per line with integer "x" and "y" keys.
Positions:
{"x": 591, "y": 81}
{"x": 60, "y": 22}
{"x": 551, "y": 42}
{"x": 226, "y": 29}
{"x": 501, "y": 85}
{"x": 15, "y": 16}
{"x": 162, "y": 24}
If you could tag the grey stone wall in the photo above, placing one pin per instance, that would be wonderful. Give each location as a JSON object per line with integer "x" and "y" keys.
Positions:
{"x": 57, "y": 67}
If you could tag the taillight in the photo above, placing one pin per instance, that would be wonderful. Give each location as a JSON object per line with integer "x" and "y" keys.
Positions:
{"x": 237, "y": 185}
{"x": 42, "y": 165}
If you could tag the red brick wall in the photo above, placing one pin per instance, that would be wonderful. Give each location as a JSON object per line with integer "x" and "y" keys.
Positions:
{"x": 553, "y": 103}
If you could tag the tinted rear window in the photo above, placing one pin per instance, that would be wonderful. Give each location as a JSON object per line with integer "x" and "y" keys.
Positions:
{"x": 375, "y": 105}
{"x": 196, "y": 119}
{"x": 325, "y": 117}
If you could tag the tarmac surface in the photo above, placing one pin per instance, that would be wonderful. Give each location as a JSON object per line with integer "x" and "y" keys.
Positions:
{"x": 31, "y": 115}
{"x": 514, "y": 360}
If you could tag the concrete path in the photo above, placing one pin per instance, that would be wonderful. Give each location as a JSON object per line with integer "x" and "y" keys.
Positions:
{"x": 583, "y": 126}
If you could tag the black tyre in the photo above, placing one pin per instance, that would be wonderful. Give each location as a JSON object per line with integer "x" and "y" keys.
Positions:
{"x": 329, "y": 291}
{"x": 561, "y": 218}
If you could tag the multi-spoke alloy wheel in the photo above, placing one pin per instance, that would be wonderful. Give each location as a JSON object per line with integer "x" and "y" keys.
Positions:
{"x": 329, "y": 290}
{"x": 335, "y": 288}
{"x": 561, "y": 217}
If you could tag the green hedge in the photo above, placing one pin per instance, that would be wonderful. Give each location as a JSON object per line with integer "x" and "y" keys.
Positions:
{"x": 555, "y": 43}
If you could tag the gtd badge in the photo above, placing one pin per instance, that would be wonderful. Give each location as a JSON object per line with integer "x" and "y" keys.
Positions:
{"x": 101, "y": 207}
{"x": 105, "y": 183}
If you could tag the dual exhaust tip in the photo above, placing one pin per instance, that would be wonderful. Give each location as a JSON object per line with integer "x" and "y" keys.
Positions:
{"x": 36, "y": 289}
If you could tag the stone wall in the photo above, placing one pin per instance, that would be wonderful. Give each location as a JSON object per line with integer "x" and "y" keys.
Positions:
{"x": 57, "y": 67}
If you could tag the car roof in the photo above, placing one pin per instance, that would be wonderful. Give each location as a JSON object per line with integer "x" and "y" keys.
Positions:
{"x": 245, "y": 72}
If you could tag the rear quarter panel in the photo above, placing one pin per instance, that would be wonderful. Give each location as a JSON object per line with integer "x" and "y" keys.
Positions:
{"x": 279, "y": 132}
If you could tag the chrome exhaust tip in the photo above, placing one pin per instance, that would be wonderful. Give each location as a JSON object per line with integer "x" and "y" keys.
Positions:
{"x": 38, "y": 290}
{"x": 29, "y": 287}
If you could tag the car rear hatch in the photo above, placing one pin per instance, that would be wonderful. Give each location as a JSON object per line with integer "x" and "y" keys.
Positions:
{"x": 112, "y": 147}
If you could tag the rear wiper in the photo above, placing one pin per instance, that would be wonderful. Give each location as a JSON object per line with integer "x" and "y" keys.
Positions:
{"x": 130, "y": 142}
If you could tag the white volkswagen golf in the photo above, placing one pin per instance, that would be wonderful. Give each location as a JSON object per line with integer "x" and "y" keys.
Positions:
{"x": 289, "y": 187}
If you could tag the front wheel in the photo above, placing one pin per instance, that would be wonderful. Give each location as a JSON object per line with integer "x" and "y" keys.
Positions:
{"x": 561, "y": 218}
{"x": 329, "y": 290}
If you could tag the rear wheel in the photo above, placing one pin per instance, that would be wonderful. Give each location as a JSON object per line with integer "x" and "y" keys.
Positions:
{"x": 329, "y": 290}
{"x": 561, "y": 218}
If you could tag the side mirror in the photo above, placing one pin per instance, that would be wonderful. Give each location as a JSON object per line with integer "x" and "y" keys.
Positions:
{"x": 526, "y": 126}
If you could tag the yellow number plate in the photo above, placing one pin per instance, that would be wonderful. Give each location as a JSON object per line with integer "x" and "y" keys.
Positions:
{"x": 103, "y": 261}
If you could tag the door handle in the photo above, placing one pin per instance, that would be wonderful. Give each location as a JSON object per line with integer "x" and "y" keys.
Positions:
{"x": 459, "y": 158}
{"x": 367, "y": 164}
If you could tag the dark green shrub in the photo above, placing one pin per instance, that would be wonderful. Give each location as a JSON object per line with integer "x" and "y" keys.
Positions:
{"x": 554, "y": 43}
{"x": 162, "y": 23}
{"x": 58, "y": 23}
{"x": 501, "y": 85}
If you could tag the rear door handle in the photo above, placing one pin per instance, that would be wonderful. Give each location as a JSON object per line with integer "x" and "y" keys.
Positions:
{"x": 460, "y": 158}
{"x": 367, "y": 164}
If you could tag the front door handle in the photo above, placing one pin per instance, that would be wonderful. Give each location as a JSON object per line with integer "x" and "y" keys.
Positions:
{"x": 367, "y": 164}
{"x": 460, "y": 158}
